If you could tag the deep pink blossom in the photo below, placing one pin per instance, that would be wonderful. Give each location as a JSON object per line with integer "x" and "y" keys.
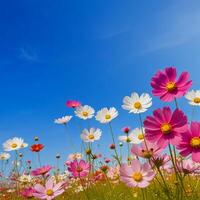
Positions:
{"x": 136, "y": 174}
{"x": 41, "y": 171}
{"x": 166, "y": 85}
{"x": 79, "y": 168}
{"x": 73, "y": 104}
{"x": 190, "y": 143}
{"x": 27, "y": 192}
{"x": 165, "y": 127}
{"x": 49, "y": 191}
{"x": 146, "y": 149}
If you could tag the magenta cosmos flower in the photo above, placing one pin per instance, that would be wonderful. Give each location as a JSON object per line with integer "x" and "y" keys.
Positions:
{"x": 73, "y": 104}
{"x": 166, "y": 86}
{"x": 49, "y": 191}
{"x": 190, "y": 143}
{"x": 136, "y": 174}
{"x": 79, "y": 168}
{"x": 165, "y": 127}
{"x": 146, "y": 149}
{"x": 41, "y": 171}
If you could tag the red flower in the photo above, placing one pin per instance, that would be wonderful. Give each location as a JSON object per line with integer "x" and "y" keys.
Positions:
{"x": 73, "y": 104}
{"x": 37, "y": 147}
{"x": 126, "y": 129}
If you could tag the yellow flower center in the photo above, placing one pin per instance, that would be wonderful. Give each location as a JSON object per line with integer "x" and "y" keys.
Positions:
{"x": 137, "y": 105}
{"x": 49, "y": 192}
{"x": 141, "y": 136}
{"x": 137, "y": 176}
{"x": 171, "y": 86}
{"x": 195, "y": 142}
{"x": 3, "y": 157}
{"x": 196, "y": 100}
{"x": 166, "y": 128}
{"x": 85, "y": 114}
{"x": 147, "y": 154}
{"x": 128, "y": 139}
{"x": 108, "y": 116}
{"x": 91, "y": 136}
{"x": 14, "y": 145}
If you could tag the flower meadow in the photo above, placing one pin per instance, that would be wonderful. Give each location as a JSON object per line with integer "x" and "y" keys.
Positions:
{"x": 162, "y": 159}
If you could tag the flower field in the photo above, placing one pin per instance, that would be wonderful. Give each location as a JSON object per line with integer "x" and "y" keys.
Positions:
{"x": 162, "y": 158}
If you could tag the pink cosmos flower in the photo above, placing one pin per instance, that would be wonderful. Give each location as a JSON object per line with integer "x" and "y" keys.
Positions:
{"x": 166, "y": 86}
{"x": 190, "y": 143}
{"x": 49, "y": 191}
{"x": 27, "y": 192}
{"x": 187, "y": 166}
{"x": 136, "y": 174}
{"x": 113, "y": 173}
{"x": 79, "y": 168}
{"x": 41, "y": 171}
{"x": 146, "y": 150}
{"x": 73, "y": 104}
{"x": 165, "y": 127}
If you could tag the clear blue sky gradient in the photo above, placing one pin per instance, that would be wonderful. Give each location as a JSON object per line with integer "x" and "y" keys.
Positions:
{"x": 93, "y": 51}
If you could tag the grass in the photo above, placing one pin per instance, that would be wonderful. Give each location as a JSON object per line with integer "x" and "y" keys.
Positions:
{"x": 106, "y": 190}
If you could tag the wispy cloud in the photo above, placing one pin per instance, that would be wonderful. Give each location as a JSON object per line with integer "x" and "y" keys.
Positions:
{"x": 28, "y": 54}
{"x": 178, "y": 26}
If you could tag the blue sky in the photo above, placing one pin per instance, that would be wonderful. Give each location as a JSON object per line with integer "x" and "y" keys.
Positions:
{"x": 93, "y": 51}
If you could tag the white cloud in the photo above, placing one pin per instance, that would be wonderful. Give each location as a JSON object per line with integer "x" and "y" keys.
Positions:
{"x": 28, "y": 54}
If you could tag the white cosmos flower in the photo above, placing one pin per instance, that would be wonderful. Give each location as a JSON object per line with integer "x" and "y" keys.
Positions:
{"x": 13, "y": 144}
{"x": 4, "y": 156}
{"x": 138, "y": 135}
{"x": 90, "y": 135}
{"x": 63, "y": 120}
{"x": 126, "y": 138}
{"x": 106, "y": 115}
{"x": 136, "y": 103}
{"x": 75, "y": 156}
{"x": 84, "y": 112}
{"x": 193, "y": 97}
{"x": 24, "y": 145}
{"x": 25, "y": 178}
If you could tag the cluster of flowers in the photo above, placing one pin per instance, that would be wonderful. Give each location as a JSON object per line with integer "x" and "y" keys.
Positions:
{"x": 147, "y": 156}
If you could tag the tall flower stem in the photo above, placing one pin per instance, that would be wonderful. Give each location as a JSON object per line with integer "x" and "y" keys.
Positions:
{"x": 176, "y": 103}
{"x": 167, "y": 192}
{"x": 128, "y": 145}
{"x": 141, "y": 126}
{"x": 39, "y": 160}
{"x": 113, "y": 139}
{"x": 178, "y": 176}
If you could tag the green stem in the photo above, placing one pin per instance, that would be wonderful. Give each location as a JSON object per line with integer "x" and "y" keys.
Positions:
{"x": 176, "y": 102}
{"x": 39, "y": 160}
{"x": 113, "y": 139}
{"x": 141, "y": 126}
{"x": 178, "y": 176}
